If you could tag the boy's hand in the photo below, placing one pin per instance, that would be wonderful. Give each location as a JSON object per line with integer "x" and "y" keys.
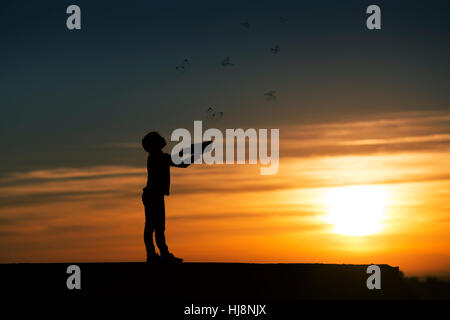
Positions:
{"x": 206, "y": 144}
{"x": 190, "y": 150}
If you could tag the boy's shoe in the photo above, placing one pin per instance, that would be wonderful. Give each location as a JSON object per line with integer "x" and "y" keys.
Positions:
{"x": 170, "y": 258}
{"x": 153, "y": 259}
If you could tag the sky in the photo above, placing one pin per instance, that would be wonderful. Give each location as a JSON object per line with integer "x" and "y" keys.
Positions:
{"x": 364, "y": 118}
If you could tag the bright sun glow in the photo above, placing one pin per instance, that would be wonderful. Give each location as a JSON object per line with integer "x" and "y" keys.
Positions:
{"x": 356, "y": 210}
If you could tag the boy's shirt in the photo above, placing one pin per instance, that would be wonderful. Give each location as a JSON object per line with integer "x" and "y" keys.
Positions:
{"x": 158, "y": 169}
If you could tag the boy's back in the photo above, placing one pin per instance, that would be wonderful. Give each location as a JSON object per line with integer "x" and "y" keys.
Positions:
{"x": 158, "y": 169}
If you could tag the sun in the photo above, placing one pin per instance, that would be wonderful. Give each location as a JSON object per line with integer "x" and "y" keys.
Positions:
{"x": 356, "y": 210}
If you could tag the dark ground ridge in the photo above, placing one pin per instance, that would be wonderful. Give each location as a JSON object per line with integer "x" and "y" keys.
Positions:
{"x": 216, "y": 281}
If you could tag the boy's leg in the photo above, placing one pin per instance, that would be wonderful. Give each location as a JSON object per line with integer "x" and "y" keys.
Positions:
{"x": 148, "y": 234}
{"x": 160, "y": 225}
{"x": 160, "y": 238}
{"x": 148, "y": 229}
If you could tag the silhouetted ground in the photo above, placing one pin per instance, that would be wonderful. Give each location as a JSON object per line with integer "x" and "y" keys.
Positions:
{"x": 216, "y": 281}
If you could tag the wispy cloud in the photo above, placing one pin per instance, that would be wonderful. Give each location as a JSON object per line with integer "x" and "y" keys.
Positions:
{"x": 70, "y": 208}
{"x": 391, "y": 133}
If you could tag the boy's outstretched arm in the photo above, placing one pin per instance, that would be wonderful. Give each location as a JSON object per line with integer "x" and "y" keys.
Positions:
{"x": 181, "y": 165}
{"x": 205, "y": 144}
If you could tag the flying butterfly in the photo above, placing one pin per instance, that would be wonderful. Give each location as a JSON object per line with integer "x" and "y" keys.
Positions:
{"x": 270, "y": 95}
{"x": 183, "y": 66}
{"x": 226, "y": 62}
{"x": 212, "y": 114}
{"x": 275, "y": 49}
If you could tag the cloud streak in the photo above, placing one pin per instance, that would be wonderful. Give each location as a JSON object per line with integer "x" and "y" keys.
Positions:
{"x": 60, "y": 213}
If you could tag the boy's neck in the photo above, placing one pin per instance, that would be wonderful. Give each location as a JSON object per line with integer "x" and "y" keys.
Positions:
{"x": 155, "y": 152}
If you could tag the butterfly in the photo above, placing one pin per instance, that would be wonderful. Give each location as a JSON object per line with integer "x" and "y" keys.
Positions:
{"x": 183, "y": 66}
{"x": 226, "y": 62}
{"x": 270, "y": 95}
{"x": 212, "y": 114}
{"x": 275, "y": 49}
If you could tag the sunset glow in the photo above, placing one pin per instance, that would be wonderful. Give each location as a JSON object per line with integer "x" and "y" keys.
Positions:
{"x": 347, "y": 207}
{"x": 356, "y": 210}
{"x": 336, "y": 138}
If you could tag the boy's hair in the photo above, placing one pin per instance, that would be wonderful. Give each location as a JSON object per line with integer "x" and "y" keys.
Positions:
{"x": 153, "y": 141}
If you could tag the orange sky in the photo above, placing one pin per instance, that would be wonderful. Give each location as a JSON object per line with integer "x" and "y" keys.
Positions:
{"x": 232, "y": 213}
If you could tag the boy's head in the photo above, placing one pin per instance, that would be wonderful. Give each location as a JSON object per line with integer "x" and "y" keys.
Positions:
{"x": 153, "y": 142}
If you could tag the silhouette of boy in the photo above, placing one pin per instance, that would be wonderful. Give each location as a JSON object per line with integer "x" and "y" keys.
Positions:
{"x": 158, "y": 184}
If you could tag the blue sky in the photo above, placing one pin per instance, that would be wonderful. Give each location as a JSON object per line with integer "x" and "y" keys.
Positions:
{"x": 67, "y": 96}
